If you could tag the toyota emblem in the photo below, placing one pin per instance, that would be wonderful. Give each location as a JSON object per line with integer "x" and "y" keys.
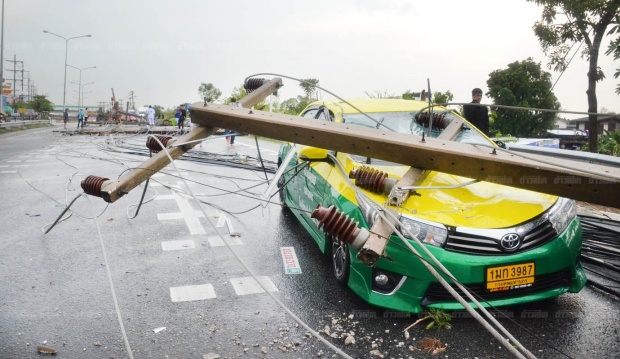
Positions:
{"x": 510, "y": 242}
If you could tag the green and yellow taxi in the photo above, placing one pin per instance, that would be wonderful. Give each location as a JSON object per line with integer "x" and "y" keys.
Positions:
{"x": 506, "y": 245}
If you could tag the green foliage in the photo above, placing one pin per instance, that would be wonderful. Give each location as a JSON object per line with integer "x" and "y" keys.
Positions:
{"x": 441, "y": 97}
{"x": 614, "y": 46}
{"x": 309, "y": 87}
{"x": 39, "y": 103}
{"x": 209, "y": 91}
{"x": 522, "y": 84}
{"x": 159, "y": 110}
{"x": 439, "y": 319}
{"x": 566, "y": 23}
{"x": 608, "y": 144}
{"x": 240, "y": 92}
{"x": 292, "y": 106}
{"x": 408, "y": 95}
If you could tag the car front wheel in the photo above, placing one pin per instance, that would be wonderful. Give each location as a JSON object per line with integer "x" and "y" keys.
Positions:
{"x": 281, "y": 192}
{"x": 341, "y": 262}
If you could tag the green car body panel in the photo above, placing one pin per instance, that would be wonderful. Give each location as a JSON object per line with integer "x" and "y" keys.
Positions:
{"x": 557, "y": 269}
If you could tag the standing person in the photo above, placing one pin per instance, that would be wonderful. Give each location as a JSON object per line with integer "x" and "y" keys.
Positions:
{"x": 150, "y": 115}
{"x": 80, "y": 117}
{"x": 85, "y": 117}
{"x": 177, "y": 114}
{"x": 182, "y": 115}
{"x": 65, "y": 117}
{"x": 477, "y": 115}
{"x": 230, "y": 135}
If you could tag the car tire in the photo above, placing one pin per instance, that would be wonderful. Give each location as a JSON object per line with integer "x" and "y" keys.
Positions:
{"x": 281, "y": 192}
{"x": 341, "y": 261}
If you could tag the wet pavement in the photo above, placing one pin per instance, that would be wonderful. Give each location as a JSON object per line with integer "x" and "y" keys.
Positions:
{"x": 182, "y": 292}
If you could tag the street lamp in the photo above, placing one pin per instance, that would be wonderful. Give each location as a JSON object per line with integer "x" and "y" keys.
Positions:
{"x": 64, "y": 92}
{"x": 83, "y": 86}
{"x": 80, "y": 84}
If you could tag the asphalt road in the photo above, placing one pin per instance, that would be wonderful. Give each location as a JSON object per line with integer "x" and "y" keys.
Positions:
{"x": 184, "y": 274}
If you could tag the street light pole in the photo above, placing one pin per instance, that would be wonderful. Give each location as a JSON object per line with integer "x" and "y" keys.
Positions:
{"x": 64, "y": 92}
{"x": 2, "y": 64}
{"x": 83, "y": 86}
{"x": 80, "y": 84}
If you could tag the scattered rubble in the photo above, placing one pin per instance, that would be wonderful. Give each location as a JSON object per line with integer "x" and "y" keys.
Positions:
{"x": 46, "y": 350}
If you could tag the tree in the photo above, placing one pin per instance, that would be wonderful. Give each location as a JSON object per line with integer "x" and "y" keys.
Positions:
{"x": 522, "y": 84}
{"x": 240, "y": 92}
{"x": 40, "y": 103}
{"x": 309, "y": 87}
{"x": 583, "y": 21}
{"x": 614, "y": 47}
{"x": 292, "y": 106}
{"x": 440, "y": 97}
{"x": 209, "y": 92}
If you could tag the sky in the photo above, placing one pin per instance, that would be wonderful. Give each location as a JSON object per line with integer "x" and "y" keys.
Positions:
{"x": 161, "y": 51}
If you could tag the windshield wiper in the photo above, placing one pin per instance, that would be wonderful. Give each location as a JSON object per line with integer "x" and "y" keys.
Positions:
{"x": 380, "y": 122}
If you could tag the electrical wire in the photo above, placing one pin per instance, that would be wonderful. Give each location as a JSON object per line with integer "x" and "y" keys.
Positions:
{"x": 247, "y": 268}
{"x": 110, "y": 281}
{"x": 522, "y": 353}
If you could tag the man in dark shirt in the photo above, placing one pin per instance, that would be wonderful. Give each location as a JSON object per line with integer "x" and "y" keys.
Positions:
{"x": 477, "y": 115}
{"x": 183, "y": 113}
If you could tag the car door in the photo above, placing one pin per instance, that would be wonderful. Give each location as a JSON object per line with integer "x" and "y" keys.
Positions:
{"x": 311, "y": 184}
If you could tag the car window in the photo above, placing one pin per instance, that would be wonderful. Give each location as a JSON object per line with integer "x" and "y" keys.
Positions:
{"x": 311, "y": 113}
{"x": 415, "y": 123}
{"x": 412, "y": 123}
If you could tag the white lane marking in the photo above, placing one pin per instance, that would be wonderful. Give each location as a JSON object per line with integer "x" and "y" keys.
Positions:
{"x": 32, "y": 160}
{"x": 231, "y": 230}
{"x": 21, "y": 166}
{"x": 8, "y": 171}
{"x": 164, "y": 196}
{"x": 216, "y": 241}
{"x": 177, "y": 245}
{"x": 221, "y": 221}
{"x": 247, "y": 285}
{"x": 192, "y": 292}
{"x": 177, "y": 215}
{"x": 291, "y": 264}
{"x": 189, "y": 215}
{"x": 14, "y": 160}
{"x": 4, "y": 165}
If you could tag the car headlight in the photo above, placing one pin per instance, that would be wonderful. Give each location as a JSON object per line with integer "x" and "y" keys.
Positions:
{"x": 562, "y": 213}
{"x": 425, "y": 232}
{"x": 368, "y": 211}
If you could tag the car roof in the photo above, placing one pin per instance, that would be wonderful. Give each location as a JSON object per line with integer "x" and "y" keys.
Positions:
{"x": 373, "y": 105}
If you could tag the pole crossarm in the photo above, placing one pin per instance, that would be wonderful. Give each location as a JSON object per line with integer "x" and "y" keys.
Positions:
{"x": 116, "y": 189}
{"x": 592, "y": 183}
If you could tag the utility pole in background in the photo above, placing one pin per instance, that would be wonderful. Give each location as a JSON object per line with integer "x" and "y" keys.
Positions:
{"x": 2, "y": 63}
{"x": 15, "y": 75}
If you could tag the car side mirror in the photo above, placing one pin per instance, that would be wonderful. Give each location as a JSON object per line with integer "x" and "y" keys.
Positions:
{"x": 309, "y": 153}
{"x": 500, "y": 143}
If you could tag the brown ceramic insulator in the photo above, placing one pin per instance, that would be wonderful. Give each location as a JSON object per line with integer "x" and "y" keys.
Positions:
{"x": 154, "y": 146}
{"x": 252, "y": 84}
{"x": 336, "y": 224}
{"x": 438, "y": 122}
{"x": 92, "y": 185}
{"x": 369, "y": 179}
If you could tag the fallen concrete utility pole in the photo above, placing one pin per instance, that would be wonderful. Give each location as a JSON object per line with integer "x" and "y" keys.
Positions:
{"x": 592, "y": 183}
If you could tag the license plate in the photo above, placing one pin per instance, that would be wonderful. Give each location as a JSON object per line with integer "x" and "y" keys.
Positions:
{"x": 510, "y": 277}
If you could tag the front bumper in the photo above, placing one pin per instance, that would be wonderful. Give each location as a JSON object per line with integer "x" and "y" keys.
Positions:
{"x": 557, "y": 271}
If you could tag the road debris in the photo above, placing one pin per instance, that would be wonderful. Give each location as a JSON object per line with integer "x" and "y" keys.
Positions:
{"x": 432, "y": 345}
{"x": 46, "y": 350}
